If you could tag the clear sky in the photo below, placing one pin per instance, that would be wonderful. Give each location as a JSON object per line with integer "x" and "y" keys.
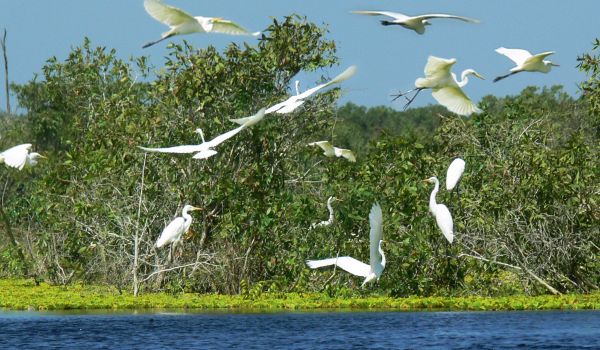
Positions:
{"x": 388, "y": 58}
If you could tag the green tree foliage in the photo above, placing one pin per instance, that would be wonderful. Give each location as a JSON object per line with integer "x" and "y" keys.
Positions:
{"x": 529, "y": 196}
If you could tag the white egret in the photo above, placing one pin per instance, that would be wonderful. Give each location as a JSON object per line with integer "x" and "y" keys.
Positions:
{"x": 297, "y": 100}
{"x": 440, "y": 212}
{"x": 526, "y": 62}
{"x": 180, "y": 22}
{"x": 445, "y": 88}
{"x": 331, "y": 217}
{"x": 376, "y": 255}
{"x": 330, "y": 151}
{"x": 205, "y": 149}
{"x": 175, "y": 229}
{"x": 20, "y": 156}
{"x": 416, "y": 23}
{"x": 455, "y": 171}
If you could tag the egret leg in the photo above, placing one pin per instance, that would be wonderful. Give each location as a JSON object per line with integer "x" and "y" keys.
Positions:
{"x": 408, "y": 100}
{"x": 157, "y": 41}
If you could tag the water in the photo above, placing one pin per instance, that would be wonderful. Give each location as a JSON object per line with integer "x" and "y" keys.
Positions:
{"x": 309, "y": 330}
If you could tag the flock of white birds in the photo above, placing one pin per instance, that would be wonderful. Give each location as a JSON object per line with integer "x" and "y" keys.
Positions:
{"x": 444, "y": 86}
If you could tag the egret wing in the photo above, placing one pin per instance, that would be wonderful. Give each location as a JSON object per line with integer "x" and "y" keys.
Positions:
{"x": 207, "y": 153}
{"x": 455, "y": 100}
{"x": 518, "y": 56}
{"x": 225, "y": 136}
{"x": 376, "y": 234}
{"x": 177, "y": 149}
{"x": 346, "y": 263}
{"x": 443, "y": 15}
{"x": 255, "y": 118}
{"x": 169, "y": 15}
{"x": 455, "y": 171}
{"x": 326, "y": 146}
{"x": 228, "y": 27}
{"x": 16, "y": 157}
{"x": 345, "y": 75}
{"x": 444, "y": 222}
{"x": 539, "y": 57}
{"x": 438, "y": 67}
{"x": 171, "y": 232}
{"x": 346, "y": 153}
{"x": 395, "y": 15}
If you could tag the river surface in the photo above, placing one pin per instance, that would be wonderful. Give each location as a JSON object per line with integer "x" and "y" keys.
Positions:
{"x": 300, "y": 330}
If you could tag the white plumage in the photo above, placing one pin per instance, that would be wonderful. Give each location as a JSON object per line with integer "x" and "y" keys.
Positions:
{"x": 180, "y": 22}
{"x": 20, "y": 156}
{"x": 454, "y": 173}
{"x": 298, "y": 100}
{"x": 330, "y": 151}
{"x": 441, "y": 213}
{"x": 526, "y": 62}
{"x": 205, "y": 149}
{"x": 174, "y": 230}
{"x": 376, "y": 256}
{"x": 416, "y": 23}
{"x": 445, "y": 88}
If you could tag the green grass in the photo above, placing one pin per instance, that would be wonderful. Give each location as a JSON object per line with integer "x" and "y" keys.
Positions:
{"x": 21, "y": 294}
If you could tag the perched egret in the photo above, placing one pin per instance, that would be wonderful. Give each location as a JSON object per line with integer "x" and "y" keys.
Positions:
{"x": 441, "y": 212}
{"x": 19, "y": 156}
{"x": 526, "y": 62}
{"x": 445, "y": 88}
{"x": 331, "y": 217}
{"x": 331, "y": 151}
{"x": 297, "y": 100}
{"x": 455, "y": 171}
{"x": 376, "y": 256}
{"x": 205, "y": 149}
{"x": 175, "y": 229}
{"x": 416, "y": 23}
{"x": 180, "y": 22}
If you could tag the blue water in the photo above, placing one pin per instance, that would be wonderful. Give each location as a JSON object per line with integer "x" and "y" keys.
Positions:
{"x": 309, "y": 330}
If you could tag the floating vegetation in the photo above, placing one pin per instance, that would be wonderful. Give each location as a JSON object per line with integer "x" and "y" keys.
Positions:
{"x": 22, "y": 294}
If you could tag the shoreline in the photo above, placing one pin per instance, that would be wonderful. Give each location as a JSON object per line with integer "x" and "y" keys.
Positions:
{"x": 20, "y": 294}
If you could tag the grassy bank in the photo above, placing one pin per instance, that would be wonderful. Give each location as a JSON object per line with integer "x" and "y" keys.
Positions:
{"x": 25, "y": 295}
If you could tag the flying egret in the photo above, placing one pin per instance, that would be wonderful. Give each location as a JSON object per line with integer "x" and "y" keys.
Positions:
{"x": 331, "y": 217}
{"x": 416, "y": 23}
{"x": 297, "y": 100}
{"x": 331, "y": 151}
{"x": 526, "y": 62}
{"x": 19, "y": 156}
{"x": 376, "y": 256}
{"x": 175, "y": 229}
{"x": 180, "y": 22}
{"x": 205, "y": 149}
{"x": 445, "y": 88}
{"x": 441, "y": 212}
{"x": 455, "y": 171}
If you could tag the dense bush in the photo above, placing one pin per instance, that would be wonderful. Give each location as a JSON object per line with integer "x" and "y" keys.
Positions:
{"x": 526, "y": 215}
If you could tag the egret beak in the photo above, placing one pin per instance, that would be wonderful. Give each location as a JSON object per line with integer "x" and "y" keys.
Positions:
{"x": 554, "y": 64}
{"x": 43, "y": 157}
{"x": 196, "y": 208}
{"x": 426, "y": 180}
{"x": 478, "y": 75}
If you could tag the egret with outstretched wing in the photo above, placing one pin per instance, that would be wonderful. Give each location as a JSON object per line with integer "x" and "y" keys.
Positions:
{"x": 526, "y": 62}
{"x": 416, "y": 23}
{"x": 205, "y": 149}
{"x": 330, "y": 151}
{"x": 445, "y": 87}
{"x": 376, "y": 256}
{"x": 180, "y": 22}
{"x": 20, "y": 156}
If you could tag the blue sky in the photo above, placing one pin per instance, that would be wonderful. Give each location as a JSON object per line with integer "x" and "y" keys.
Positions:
{"x": 388, "y": 58}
